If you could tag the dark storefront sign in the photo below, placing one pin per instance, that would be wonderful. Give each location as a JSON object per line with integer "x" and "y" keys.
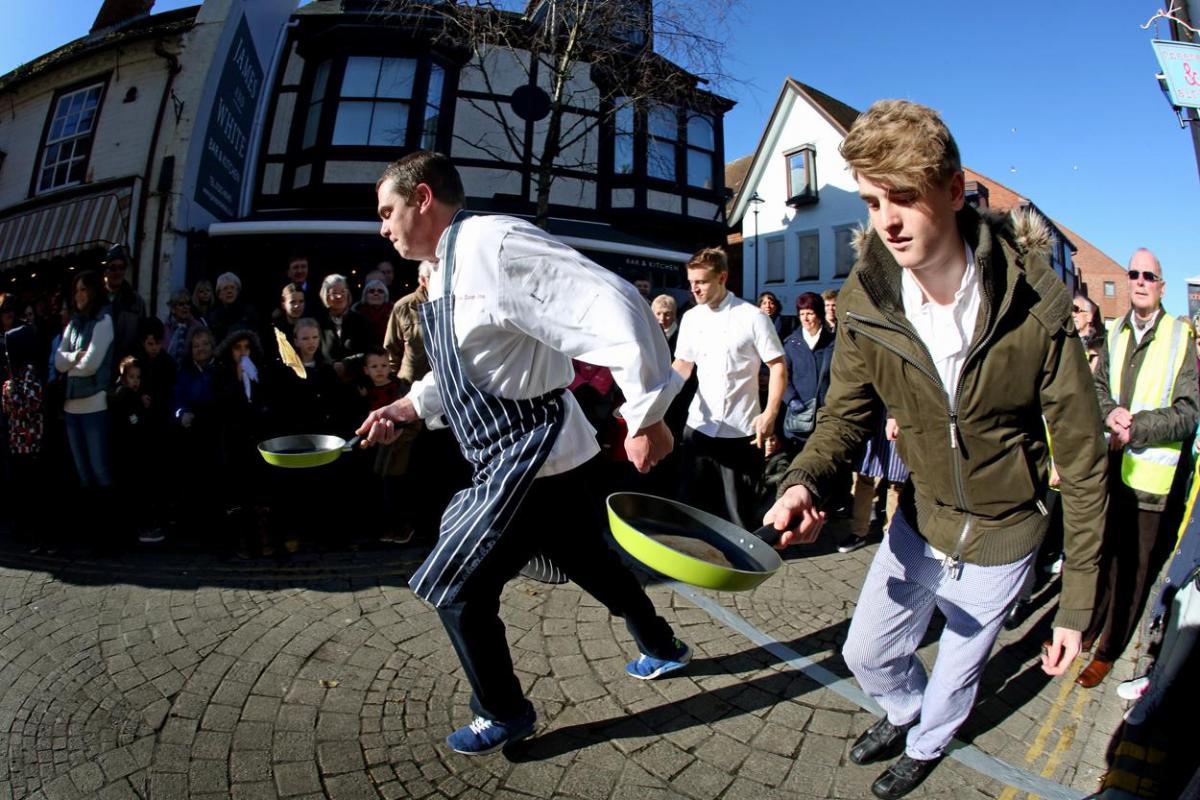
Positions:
{"x": 661, "y": 272}
{"x": 223, "y": 162}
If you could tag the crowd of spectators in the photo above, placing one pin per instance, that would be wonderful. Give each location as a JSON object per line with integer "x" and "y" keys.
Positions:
{"x": 161, "y": 418}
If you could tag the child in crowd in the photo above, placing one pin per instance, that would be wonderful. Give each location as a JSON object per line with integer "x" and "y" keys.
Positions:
{"x": 133, "y": 436}
{"x": 314, "y": 404}
{"x": 158, "y": 368}
{"x": 241, "y": 410}
{"x": 390, "y": 461}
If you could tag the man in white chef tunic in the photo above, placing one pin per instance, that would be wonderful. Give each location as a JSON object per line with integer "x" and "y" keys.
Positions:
{"x": 725, "y": 340}
{"x": 508, "y": 309}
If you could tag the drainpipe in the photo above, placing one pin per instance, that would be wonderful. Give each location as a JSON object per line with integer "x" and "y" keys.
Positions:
{"x": 173, "y": 69}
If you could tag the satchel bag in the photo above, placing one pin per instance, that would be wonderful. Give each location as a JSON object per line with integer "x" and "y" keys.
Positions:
{"x": 800, "y": 419}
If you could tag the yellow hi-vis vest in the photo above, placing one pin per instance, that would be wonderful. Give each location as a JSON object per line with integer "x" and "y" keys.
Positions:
{"x": 1149, "y": 469}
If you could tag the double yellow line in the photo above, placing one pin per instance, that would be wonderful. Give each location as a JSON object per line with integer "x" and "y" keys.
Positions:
{"x": 1038, "y": 748}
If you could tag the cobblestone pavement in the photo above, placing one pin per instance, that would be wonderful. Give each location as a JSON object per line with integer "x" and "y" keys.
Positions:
{"x": 170, "y": 675}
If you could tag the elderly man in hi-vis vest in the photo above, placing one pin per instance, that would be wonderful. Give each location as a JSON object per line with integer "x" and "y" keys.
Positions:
{"x": 1150, "y": 402}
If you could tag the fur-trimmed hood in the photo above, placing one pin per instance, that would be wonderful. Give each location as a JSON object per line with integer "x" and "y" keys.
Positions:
{"x": 1028, "y": 231}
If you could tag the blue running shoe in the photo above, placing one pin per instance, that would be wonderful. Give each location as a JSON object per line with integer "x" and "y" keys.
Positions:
{"x": 647, "y": 668}
{"x": 485, "y": 736}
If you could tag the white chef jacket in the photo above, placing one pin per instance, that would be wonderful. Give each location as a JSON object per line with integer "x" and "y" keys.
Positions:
{"x": 728, "y": 345}
{"x": 525, "y": 305}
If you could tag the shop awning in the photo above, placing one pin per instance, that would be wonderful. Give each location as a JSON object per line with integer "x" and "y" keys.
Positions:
{"x": 70, "y": 227}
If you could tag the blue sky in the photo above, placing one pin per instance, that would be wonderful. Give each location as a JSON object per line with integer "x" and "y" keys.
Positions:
{"x": 1057, "y": 101}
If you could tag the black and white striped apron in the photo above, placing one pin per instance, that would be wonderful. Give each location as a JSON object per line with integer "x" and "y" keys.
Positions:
{"x": 506, "y": 442}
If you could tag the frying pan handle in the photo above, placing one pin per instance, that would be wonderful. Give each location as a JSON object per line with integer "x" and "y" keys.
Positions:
{"x": 769, "y": 535}
{"x": 350, "y": 445}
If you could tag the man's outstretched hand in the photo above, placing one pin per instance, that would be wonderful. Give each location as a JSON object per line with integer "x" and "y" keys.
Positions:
{"x": 795, "y": 515}
{"x": 1062, "y": 651}
{"x": 380, "y": 425}
{"x": 648, "y": 446}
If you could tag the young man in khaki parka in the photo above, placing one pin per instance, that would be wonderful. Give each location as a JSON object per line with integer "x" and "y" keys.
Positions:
{"x": 958, "y": 324}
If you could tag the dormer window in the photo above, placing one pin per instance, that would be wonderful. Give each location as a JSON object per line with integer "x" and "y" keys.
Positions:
{"x": 801, "y": 175}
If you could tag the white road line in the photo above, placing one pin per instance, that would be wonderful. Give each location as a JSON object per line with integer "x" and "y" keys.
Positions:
{"x": 965, "y": 753}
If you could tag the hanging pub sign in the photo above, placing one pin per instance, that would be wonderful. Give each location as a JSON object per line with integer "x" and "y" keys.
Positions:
{"x": 1193, "y": 290}
{"x": 1180, "y": 64}
{"x": 227, "y": 140}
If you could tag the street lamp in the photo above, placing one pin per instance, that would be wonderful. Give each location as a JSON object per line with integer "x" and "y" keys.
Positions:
{"x": 755, "y": 201}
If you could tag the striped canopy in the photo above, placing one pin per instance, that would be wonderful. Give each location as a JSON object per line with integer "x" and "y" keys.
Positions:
{"x": 74, "y": 226}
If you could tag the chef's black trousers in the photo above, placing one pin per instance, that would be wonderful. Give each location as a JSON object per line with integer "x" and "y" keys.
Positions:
{"x": 563, "y": 518}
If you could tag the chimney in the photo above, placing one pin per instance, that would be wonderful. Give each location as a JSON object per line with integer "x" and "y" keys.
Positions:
{"x": 118, "y": 12}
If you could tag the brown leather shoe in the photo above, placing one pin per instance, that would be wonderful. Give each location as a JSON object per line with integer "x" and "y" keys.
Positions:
{"x": 1093, "y": 673}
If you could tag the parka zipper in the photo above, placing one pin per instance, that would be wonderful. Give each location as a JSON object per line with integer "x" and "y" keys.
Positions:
{"x": 951, "y": 409}
{"x": 952, "y": 563}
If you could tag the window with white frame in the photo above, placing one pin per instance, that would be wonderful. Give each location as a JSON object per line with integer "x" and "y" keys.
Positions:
{"x": 809, "y": 245}
{"x": 843, "y": 250}
{"x": 374, "y": 101}
{"x": 775, "y": 260}
{"x": 69, "y": 139}
{"x": 1110, "y": 289}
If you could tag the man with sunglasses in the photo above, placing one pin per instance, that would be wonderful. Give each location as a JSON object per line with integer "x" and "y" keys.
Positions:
{"x": 1150, "y": 403}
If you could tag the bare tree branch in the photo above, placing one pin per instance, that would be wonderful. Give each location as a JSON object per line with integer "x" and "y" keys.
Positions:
{"x": 603, "y": 56}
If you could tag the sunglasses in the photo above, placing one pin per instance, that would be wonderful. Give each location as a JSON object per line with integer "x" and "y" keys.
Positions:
{"x": 1147, "y": 276}
{"x": 1079, "y": 310}
{"x": 374, "y": 291}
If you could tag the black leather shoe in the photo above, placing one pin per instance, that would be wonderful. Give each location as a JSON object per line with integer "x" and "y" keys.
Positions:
{"x": 881, "y": 740}
{"x": 902, "y": 777}
{"x": 1015, "y": 616}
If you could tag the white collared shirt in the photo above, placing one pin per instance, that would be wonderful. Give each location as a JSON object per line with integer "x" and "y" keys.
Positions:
{"x": 945, "y": 330}
{"x": 727, "y": 344}
{"x": 810, "y": 339}
{"x": 525, "y": 305}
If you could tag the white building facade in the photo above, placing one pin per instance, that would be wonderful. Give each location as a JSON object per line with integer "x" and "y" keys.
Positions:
{"x": 798, "y": 205}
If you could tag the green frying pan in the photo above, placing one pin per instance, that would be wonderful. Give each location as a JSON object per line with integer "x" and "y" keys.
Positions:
{"x": 634, "y": 518}
{"x": 301, "y": 452}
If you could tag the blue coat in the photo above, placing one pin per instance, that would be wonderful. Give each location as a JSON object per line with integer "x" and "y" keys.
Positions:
{"x": 808, "y": 370}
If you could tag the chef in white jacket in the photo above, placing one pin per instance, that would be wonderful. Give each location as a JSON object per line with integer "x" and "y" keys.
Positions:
{"x": 508, "y": 309}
